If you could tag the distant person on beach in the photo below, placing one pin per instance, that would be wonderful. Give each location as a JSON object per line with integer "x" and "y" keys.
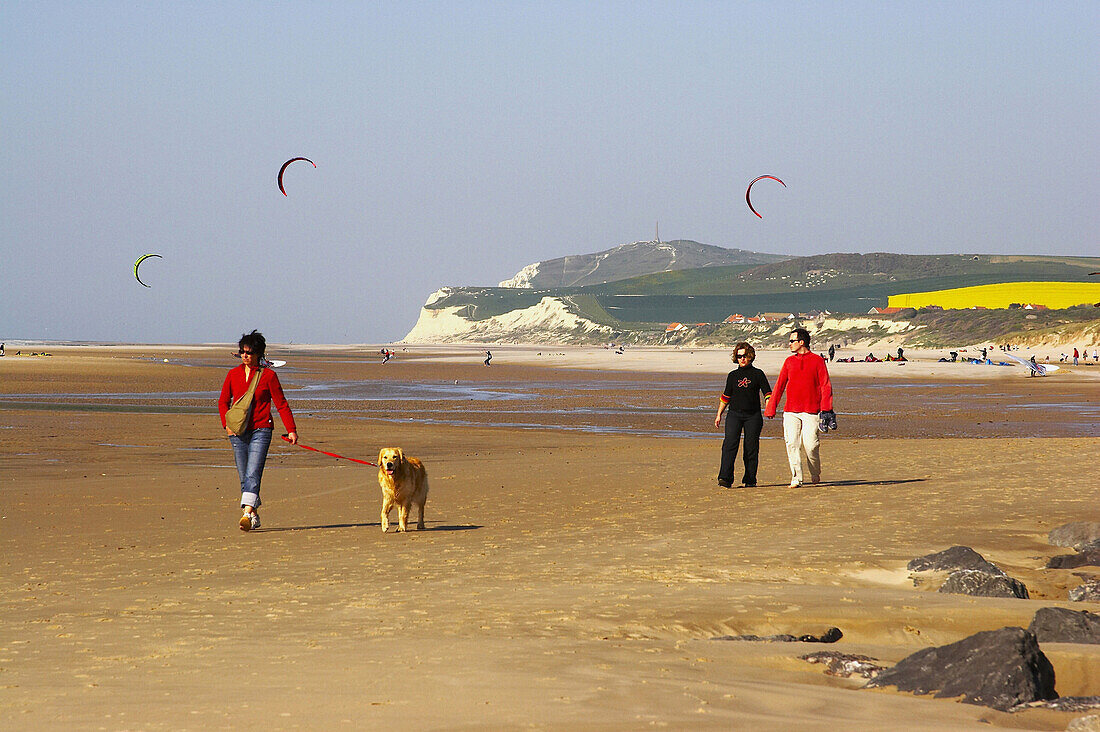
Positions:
{"x": 744, "y": 385}
{"x": 809, "y": 399}
{"x": 250, "y": 448}
{"x": 488, "y": 357}
{"x": 1, "y": 349}
{"x": 832, "y": 352}
{"x": 1076, "y": 356}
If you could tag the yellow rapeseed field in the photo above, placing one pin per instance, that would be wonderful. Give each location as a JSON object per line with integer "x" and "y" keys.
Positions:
{"x": 1051, "y": 294}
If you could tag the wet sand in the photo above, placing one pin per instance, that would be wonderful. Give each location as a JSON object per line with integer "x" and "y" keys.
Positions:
{"x": 566, "y": 580}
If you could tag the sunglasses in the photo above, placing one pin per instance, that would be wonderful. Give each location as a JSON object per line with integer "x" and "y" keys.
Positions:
{"x": 244, "y": 353}
{"x": 796, "y": 340}
{"x": 742, "y": 355}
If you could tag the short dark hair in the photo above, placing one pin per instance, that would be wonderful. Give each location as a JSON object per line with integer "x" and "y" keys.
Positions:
{"x": 255, "y": 342}
{"x": 803, "y": 335}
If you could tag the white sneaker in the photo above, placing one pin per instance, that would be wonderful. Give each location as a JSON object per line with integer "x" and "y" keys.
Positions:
{"x": 246, "y": 522}
{"x": 255, "y": 520}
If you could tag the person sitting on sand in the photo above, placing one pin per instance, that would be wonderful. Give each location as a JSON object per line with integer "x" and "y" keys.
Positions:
{"x": 810, "y": 394}
{"x": 744, "y": 385}
{"x": 250, "y": 448}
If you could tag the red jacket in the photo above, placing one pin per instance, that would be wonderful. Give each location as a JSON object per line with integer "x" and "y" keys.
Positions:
{"x": 808, "y": 381}
{"x": 267, "y": 391}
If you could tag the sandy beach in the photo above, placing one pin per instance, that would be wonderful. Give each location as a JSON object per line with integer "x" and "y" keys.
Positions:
{"x": 568, "y": 578}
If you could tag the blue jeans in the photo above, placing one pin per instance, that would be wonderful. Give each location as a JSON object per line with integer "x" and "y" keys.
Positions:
{"x": 250, "y": 452}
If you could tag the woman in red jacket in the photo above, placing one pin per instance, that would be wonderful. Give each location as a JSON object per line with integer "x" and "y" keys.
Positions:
{"x": 809, "y": 393}
{"x": 250, "y": 448}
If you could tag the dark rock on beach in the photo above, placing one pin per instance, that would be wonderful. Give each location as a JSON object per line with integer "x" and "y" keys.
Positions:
{"x": 832, "y": 635}
{"x": 1077, "y": 534}
{"x": 995, "y": 668}
{"x": 845, "y": 665}
{"x": 1060, "y": 625}
{"x": 1089, "y": 558}
{"x": 1063, "y": 704}
{"x": 950, "y": 560}
{"x": 983, "y": 584}
{"x": 1088, "y": 592}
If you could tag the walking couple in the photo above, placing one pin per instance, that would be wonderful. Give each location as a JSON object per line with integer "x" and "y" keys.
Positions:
{"x": 808, "y": 408}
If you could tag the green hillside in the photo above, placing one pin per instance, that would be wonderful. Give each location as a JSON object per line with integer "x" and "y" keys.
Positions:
{"x": 841, "y": 283}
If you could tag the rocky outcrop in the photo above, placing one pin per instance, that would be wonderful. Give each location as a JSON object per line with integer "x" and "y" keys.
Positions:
{"x": 1088, "y": 592}
{"x": 1064, "y": 704}
{"x": 1076, "y": 534}
{"x": 983, "y": 584}
{"x": 955, "y": 558}
{"x": 845, "y": 665}
{"x": 971, "y": 574}
{"x": 1087, "y": 558}
{"x": 832, "y": 635}
{"x": 1060, "y": 625}
{"x": 996, "y": 668}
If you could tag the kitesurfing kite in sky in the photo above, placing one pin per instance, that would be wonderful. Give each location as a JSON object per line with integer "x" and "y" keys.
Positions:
{"x": 137, "y": 264}
{"x": 283, "y": 169}
{"x": 749, "y": 190}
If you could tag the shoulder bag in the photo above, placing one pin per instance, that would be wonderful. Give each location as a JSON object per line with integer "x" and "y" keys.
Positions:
{"x": 238, "y": 417}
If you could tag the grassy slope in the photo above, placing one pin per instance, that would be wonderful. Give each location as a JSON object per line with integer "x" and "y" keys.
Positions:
{"x": 846, "y": 283}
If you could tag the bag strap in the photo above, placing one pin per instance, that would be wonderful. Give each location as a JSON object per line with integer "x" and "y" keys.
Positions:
{"x": 252, "y": 384}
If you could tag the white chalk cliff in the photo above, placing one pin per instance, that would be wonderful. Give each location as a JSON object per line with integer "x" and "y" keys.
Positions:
{"x": 551, "y": 320}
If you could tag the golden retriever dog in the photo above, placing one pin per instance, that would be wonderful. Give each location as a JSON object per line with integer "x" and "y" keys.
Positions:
{"x": 404, "y": 482}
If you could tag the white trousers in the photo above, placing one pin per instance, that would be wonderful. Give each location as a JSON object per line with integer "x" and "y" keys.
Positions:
{"x": 801, "y": 435}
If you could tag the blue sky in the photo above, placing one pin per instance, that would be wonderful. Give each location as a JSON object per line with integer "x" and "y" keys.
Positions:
{"x": 457, "y": 142}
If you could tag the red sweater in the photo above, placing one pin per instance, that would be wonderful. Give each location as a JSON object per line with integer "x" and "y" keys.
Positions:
{"x": 808, "y": 379}
{"x": 267, "y": 391}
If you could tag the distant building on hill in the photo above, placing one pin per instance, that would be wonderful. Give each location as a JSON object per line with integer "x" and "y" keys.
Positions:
{"x": 884, "y": 311}
{"x": 673, "y": 327}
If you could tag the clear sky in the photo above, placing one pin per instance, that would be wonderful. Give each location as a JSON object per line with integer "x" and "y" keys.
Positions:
{"x": 456, "y": 142}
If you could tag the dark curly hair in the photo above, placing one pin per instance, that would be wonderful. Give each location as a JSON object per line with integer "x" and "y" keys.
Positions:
{"x": 743, "y": 346}
{"x": 255, "y": 342}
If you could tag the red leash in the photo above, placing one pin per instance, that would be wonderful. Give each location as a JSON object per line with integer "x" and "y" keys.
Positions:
{"x": 332, "y": 454}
